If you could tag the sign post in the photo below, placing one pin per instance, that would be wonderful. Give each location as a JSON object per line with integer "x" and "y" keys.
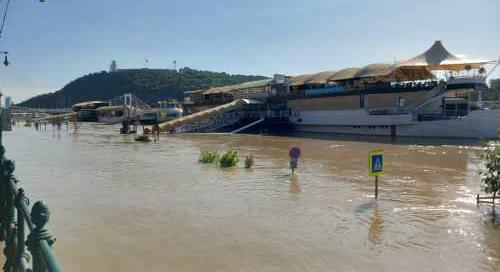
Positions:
{"x": 294, "y": 154}
{"x": 376, "y": 166}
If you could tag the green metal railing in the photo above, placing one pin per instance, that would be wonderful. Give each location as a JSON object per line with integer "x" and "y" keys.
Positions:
{"x": 15, "y": 218}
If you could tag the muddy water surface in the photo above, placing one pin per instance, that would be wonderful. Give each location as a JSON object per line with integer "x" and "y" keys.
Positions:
{"x": 119, "y": 205}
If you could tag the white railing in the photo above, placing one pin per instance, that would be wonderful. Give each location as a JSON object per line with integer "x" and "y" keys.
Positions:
{"x": 211, "y": 124}
{"x": 467, "y": 80}
{"x": 430, "y": 96}
{"x": 387, "y": 111}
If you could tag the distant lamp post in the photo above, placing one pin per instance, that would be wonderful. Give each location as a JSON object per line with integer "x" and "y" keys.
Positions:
{"x": 5, "y": 59}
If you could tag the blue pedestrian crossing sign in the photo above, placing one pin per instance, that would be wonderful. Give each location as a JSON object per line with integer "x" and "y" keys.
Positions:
{"x": 376, "y": 162}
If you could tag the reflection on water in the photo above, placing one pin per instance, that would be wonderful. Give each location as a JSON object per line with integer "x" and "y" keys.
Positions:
{"x": 375, "y": 234}
{"x": 121, "y": 205}
{"x": 295, "y": 187}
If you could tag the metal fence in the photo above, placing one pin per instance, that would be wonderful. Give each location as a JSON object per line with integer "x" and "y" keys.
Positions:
{"x": 24, "y": 251}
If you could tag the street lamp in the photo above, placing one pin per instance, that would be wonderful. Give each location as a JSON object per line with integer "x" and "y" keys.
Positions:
{"x": 5, "y": 59}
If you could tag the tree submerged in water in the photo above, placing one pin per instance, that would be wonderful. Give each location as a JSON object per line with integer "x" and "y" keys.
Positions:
{"x": 249, "y": 161}
{"x": 223, "y": 160}
{"x": 229, "y": 159}
{"x": 208, "y": 156}
{"x": 490, "y": 176}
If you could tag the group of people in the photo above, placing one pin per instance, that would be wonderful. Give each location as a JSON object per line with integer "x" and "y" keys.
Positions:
{"x": 55, "y": 124}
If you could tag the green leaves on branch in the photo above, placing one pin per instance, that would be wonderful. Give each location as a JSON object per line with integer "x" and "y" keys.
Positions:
{"x": 490, "y": 176}
{"x": 227, "y": 159}
{"x": 249, "y": 161}
{"x": 209, "y": 156}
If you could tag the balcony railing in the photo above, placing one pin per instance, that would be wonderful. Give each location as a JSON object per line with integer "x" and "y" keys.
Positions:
{"x": 387, "y": 111}
{"x": 466, "y": 80}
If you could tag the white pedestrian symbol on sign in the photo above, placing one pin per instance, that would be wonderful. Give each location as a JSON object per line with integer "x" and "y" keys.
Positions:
{"x": 377, "y": 165}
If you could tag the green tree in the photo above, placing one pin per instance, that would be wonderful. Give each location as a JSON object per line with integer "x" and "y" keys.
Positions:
{"x": 494, "y": 89}
{"x": 490, "y": 176}
{"x": 150, "y": 85}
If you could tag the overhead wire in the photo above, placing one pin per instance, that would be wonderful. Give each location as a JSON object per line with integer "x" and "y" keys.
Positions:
{"x": 4, "y": 17}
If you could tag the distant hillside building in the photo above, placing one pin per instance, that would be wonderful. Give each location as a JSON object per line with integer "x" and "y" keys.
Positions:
{"x": 113, "y": 67}
{"x": 8, "y": 102}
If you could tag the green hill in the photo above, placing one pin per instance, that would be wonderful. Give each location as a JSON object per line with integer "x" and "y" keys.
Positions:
{"x": 150, "y": 85}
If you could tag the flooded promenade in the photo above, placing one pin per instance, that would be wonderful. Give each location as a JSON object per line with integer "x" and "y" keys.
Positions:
{"x": 120, "y": 205}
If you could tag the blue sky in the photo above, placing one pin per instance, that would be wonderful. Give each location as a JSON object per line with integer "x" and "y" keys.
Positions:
{"x": 53, "y": 43}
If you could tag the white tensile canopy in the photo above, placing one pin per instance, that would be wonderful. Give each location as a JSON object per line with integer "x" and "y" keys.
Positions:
{"x": 438, "y": 58}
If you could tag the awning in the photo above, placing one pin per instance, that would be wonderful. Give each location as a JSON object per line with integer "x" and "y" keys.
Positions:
{"x": 374, "y": 70}
{"x": 345, "y": 74}
{"x": 320, "y": 78}
{"x": 243, "y": 86}
{"x": 392, "y": 72}
{"x": 300, "y": 79}
{"x": 438, "y": 58}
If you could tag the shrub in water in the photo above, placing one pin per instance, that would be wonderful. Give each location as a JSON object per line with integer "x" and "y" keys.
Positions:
{"x": 490, "y": 176}
{"x": 142, "y": 138}
{"x": 249, "y": 161}
{"x": 208, "y": 156}
{"x": 229, "y": 159}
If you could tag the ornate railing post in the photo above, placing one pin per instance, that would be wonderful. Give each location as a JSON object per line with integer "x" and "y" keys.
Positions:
{"x": 15, "y": 218}
{"x": 7, "y": 219}
{"x": 39, "y": 240}
{"x": 9, "y": 224}
{"x": 22, "y": 257}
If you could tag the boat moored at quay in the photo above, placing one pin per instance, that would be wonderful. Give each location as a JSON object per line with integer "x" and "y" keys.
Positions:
{"x": 434, "y": 94}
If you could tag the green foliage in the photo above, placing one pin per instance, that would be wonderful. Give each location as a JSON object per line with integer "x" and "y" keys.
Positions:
{"x": 229, "y": 159}
{"x": 249, "y": 161}
{"x": 209, "y": 156}
{"x": 150, "y": 85}
{"x": 494, "y": 93}
{"x": 490, "y": 176}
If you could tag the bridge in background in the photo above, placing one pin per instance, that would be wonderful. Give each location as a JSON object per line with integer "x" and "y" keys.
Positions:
{"x": 24, "y": 110}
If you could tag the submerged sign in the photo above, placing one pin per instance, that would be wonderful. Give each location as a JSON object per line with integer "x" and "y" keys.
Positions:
{"x": 376, "y": 162}
{"x": 294, "y": 154}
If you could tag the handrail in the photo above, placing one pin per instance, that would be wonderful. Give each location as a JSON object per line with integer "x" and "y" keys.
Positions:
{"x": 15, "y": 215}
{"x": 248, "y": 125}
{"x": 430, "y": 96}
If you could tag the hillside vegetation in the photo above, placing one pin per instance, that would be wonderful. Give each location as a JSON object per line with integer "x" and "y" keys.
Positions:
{"x": 150, "y": 85}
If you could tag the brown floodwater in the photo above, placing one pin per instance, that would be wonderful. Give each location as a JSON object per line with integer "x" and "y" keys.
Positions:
{"x": 120, "y": 205}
